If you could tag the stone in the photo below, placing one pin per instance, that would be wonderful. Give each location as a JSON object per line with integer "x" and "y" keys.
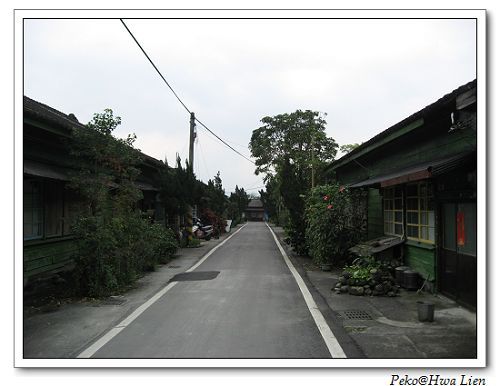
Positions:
{"x": 357, "y": 291}
{"x": 344, "y": 289}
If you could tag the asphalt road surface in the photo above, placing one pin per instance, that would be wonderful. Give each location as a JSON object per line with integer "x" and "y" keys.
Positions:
{"x": 248, "y": 305}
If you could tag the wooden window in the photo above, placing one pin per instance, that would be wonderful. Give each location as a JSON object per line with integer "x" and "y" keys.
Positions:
{"x": 32, "y": 210}
{"x": 420, "y": 212}
{"x": 393, "y": 211}
{"x": 53, "y": 203}
{"x": 48, "y": 209}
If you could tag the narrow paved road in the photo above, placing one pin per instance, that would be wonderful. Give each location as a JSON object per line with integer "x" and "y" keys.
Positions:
{"x": 253, "y": 308}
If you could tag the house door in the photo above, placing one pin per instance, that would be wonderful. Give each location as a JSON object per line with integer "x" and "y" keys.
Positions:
{"x": 457, "y": 252}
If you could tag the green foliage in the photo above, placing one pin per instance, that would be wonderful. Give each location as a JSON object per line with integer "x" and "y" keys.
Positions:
{"x": 115, "y": 243}
{"x": 347, "y": 148}
{"x": 238, "y": 202}
{"x": 217, "y": 200}
{"x": 179, "y": 188}
{"x": 209, "y": 217}
{"x": 113, "y": 252}
{"x": 293, "y": 191}
{"x": 363, "y": 271}
{"x": 289, "y": 149}
{"x": 194, "y": 243}
{"x": 332, "y": 223}
{"x": 299, "y": 136}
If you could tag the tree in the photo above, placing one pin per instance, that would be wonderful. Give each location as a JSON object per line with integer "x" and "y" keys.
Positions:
{"x": 290, "y": 149}
{"x": 179, "y": 188}
{"x": 238, "y": 202}
{"x": 114, "y": 242}
{"x": 299, "y": 137}
{"x": 334, "y": 222}
{"x": 216, "y": 195}
{"x": 347, "y": 148}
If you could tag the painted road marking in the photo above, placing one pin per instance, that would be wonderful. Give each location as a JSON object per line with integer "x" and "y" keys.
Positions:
{"x": 92, "y": 349}
{"x": 327, "y": 334}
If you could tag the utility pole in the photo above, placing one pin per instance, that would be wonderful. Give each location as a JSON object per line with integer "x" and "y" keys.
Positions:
{"x": 192, "y": 136}
{"x": 189, "y": 214}
{"x": 312, "y": 161}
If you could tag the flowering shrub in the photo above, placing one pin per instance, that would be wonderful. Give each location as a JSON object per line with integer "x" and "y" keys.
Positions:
{"x": 332, "y": 223}
{"x": 209, "y": 217}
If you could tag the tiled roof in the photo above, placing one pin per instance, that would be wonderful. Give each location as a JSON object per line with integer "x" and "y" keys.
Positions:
{"x": 255, "y": 203}
{"x": 48, "y": 114}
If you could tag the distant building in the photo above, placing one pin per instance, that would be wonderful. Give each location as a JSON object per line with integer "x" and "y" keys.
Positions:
{"x": 255, "y": 210}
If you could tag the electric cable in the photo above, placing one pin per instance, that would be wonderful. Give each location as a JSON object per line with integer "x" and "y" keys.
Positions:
{"x": 178, "y": 98}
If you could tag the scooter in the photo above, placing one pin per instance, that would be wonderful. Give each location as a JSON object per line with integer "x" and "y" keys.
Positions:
{"x": 201, "y": 231}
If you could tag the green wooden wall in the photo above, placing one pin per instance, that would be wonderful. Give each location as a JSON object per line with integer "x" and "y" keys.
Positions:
{"x": 375, "y": 221}
{"x": 421, "y": 260}
{"x": 47, "y": 256}
{"x": 426, "y": 144}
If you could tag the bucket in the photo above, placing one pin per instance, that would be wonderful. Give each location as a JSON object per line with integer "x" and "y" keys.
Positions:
{"x": 411, "y": 280}
{"x": 399, "y": 274}
{"x": 425, "y": 311}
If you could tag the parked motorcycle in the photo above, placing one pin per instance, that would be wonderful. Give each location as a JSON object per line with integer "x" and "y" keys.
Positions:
{"x": 201, "y": 231}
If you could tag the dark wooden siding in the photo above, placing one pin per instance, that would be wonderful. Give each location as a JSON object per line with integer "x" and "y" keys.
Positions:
{"x": 375, "y": 222}
{"x": 42, "y": 257}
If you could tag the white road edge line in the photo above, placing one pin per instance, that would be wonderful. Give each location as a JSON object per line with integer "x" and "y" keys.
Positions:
{"x": 327, "y": 334}
{"x": 97, "y": 345}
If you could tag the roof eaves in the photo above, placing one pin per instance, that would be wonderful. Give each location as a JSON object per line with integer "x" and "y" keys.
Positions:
{"x": 407, "y": 125}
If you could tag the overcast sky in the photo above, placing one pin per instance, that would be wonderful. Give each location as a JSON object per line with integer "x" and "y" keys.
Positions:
{"x": 366, "y": 75}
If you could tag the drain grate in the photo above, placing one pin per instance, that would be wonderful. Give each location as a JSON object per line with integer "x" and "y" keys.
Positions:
{"x": 355, "y": 315}
{"x": 195, "y": 276}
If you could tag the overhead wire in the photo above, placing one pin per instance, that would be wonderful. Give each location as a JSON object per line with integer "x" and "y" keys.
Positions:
{"x": 179, "y": 99}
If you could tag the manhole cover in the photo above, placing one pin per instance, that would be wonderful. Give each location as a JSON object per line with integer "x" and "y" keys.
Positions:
{"x": 355, "y": 315}
{"x": 195, "y": 276}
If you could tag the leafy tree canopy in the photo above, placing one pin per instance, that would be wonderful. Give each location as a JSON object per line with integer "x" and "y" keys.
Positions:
{"x": 347, "y": 148}
{"x": 299, "y": 137}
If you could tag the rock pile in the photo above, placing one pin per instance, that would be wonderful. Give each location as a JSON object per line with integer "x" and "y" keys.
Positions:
{"x": 375, "y": 282}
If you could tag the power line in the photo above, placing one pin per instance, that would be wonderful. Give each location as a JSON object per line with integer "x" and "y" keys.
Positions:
{"x": 179, "y": 99}
{"x": 156, "y": 68}
{"x": 224, "y": 142}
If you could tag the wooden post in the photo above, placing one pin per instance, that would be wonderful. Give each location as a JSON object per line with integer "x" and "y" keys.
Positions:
{"x": 192, "y": 136}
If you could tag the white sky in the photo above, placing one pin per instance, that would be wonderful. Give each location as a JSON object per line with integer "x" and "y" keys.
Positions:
{"x": 365, "y": 74}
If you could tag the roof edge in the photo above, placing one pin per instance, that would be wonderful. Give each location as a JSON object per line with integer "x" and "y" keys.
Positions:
{"x": 407, "y": 122}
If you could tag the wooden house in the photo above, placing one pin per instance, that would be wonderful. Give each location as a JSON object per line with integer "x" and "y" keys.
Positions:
{"x": 255, "y": 210}
{"x": 420, "y": 181}
{"x": 49, "y": 207}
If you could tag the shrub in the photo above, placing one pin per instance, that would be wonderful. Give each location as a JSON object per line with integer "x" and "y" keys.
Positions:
{"x": 111, "y": 254}
{"x": 332, "y": 223}
{"x": 209, "y": 217}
